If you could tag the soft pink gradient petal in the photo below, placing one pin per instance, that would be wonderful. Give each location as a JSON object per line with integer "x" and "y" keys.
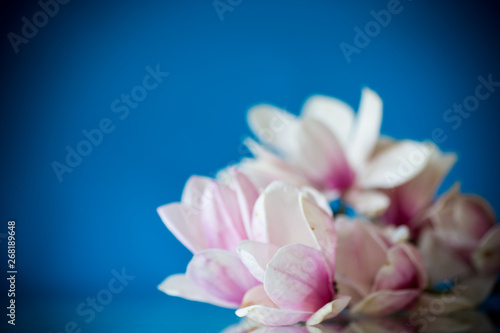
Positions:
{"x": 256, "y": 256}
{"x": 179, "y": 285}
{"x": 441, "y": 262}
{"x": 278, "y": 218}
{"x": 221, "y": 274}
{"x": 336, "y": 115}
{"x": 296, "y": 279}
{"x": 386, "y": 302}
{"x": 322, "y": 157}
{"x": 366, "y": 129}
{"x": 272, "y": 316}
{"x": 398, "y": 273}
{"x": 361, "y": 252}
{"x": 221, "y": 217}
{"x": 257, "y": 296}
{"x": 409, "y": 199}
{"x": 186, "y": 225}
{"x": 246, "y": 195}
{"x": 329, "y": 310}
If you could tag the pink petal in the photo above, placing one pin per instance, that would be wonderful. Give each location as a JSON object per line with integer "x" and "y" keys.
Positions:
{"x": 336, "y": 115}
{"x": 185, "y": 224}
{"x": 322, "y": 157}
{"x": 246, "y": 194}
{"x": 255, "y": 256}
{"x": 179, "y": 285}
{"x": 296, "y": 279}
{"x": 366, "y": 129}
{"x": 441, "y": 262}
{"x": 386, "y": 302}
{"x": 272, "y": 316}
{"x": 221, "y": 217}
{"x": 400, "y": 271}
{"x": 221, "y": 274}
{"x": 278, "y": 217}
{"x": 329, "y": 310}
{"x": 361, "y": 252}
{"x": 486, "y": 257}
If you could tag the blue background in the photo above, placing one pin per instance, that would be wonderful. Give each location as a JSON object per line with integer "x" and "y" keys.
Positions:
{"x": 102, "y": 216}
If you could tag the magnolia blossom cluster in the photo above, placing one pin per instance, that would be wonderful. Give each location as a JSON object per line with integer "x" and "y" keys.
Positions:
{"x": 329, "y": 215}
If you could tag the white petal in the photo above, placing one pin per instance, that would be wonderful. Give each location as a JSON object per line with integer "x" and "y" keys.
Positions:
{"x": 272, "y": 316}
{"x": 366, "y": 129}
{"x": 278, "y": 217}
{"x": 396, "y": 165}
{"x": 367, "y": 203}
{"x": 336, "y": 115}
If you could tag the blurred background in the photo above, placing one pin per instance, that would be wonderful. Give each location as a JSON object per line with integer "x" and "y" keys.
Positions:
{"x": 168, "y": 84}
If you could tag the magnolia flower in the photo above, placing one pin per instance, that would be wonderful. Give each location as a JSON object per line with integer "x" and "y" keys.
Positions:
{"x": 211, "y": 219}
{"x": 329, "y": 148}
{"x": 461, "y": 242}
{"x": 293, "y": 258}
{"x": 409, "y": 200}
{"x": 381, "y": 276}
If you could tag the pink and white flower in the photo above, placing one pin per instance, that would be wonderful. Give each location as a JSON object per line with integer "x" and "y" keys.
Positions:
{"x": 293, "y": 256}
{"x": 461, "y": 243}
{"x": 211, "y": 219}
{"x": 381, "y": 276}
{"x": 329, "y": 148}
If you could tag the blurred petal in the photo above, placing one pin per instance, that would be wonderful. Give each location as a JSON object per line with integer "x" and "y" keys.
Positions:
{"x": 441, "y": 262}
{"x": 329, "y": 310}
{"x": 395, "y": 165}
{"x": 274, "y": 127}
{"x": 486, "y": 257}
{"x": 336, "y": 115}
{"x": 367, "y": 203}
{"x": 267, "y": 167}
{"x": 296, "y": 279}
{"x": 255, "y": 256}
{"x": 366, "y": 129}
{"x": 386, "y": 302}
{"x": 179, "y": 285}
{"x": 400, "y": 271}
{"x": 221, "y": 274}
